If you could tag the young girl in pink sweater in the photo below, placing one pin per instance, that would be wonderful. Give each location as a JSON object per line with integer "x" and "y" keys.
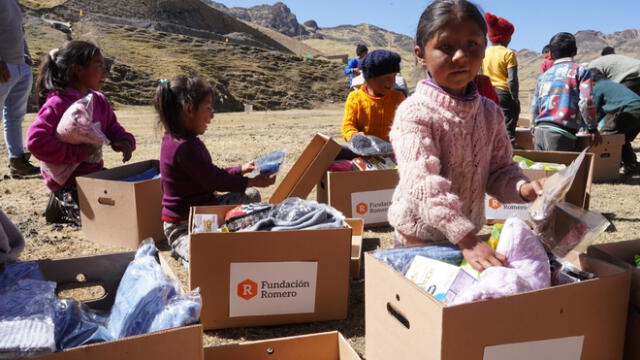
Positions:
{"x": 451, "y": 143}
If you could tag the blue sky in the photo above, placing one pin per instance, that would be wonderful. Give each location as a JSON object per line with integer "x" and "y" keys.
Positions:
{"x": 535, "y": 21}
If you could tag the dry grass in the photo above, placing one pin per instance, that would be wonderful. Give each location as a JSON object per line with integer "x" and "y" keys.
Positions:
{"x": 232, "y": 139}
{"x": 41, "y": 4}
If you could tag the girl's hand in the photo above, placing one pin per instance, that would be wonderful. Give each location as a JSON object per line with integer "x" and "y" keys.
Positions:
{"x": 479, "y": 254}
{"x": 124, "y": 147}
{"x": 262, "y": 180}
{"x": 248, "y": 167}
{"x": 531, "y": 190}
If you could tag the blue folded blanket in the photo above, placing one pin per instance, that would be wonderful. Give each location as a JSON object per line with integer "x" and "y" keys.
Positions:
{"x": 149, "y": 174}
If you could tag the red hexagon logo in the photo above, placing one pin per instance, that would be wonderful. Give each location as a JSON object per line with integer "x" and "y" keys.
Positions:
{"x": 362, "y": 208}
{"x": 494, "y": 203}
{"x": 247, "y": 289}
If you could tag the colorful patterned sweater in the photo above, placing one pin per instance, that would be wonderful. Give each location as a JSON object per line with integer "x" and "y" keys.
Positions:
{"x": 563, "y": 97}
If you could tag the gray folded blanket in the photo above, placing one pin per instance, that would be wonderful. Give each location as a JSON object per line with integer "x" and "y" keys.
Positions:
{"x": 296, "y": 214}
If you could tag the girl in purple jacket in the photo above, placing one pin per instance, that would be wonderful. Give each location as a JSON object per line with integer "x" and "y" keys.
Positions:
{"x": 188, "y": 175}
{"x": 67, "y": 75}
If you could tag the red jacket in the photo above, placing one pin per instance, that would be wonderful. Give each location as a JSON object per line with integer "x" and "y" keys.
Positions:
{"x": 483, "y": 83}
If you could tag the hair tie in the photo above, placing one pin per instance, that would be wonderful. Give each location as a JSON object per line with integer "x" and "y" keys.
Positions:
{"x": 54, "y": 53}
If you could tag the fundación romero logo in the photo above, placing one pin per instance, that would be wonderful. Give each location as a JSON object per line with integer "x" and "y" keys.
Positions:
{"x": 362, "y": 208}
{"x": 494, "y": 203}
{"x": 248, "y": 289}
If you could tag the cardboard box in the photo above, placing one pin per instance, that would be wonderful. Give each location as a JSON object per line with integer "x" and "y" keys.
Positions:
{"x": 524, "y": 139}
{"x": 579, "y": 194}
{"x": 323, "y": 346}
{"x": 524, "y": 122}
{"x": 621, "y": 254}
{"x": 584, "y": 320}
{"x": 270, "y": 277}
{"x": 364, "y": 194}
{"x": 607, "y": 156}
{"x": 120, "y": 213}
{"x": 357, "y": 230}
{"x": 106, "y": 271}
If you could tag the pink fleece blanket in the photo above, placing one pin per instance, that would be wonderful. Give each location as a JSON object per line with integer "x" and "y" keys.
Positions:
{"x": 527, "y": 268}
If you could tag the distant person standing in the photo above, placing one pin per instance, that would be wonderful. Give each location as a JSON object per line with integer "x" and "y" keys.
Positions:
{"x": 621, "y": 69}
{"x": 353, "y": 66}
{"x": 501, "y": 66}
{"x": 15, "y": 86}
{"x": 608, "y": 50}
{"x": 547, "y": 63}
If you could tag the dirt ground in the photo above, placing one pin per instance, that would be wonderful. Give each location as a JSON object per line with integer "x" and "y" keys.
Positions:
{"x": 234, "y": 138}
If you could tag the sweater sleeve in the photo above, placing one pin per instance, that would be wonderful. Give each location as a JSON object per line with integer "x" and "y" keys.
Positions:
{"x": 587, "y": 108}
{"x": 350, "y": 120}
{"x": 200, "y": 168}
{"x": 504, "y": 173}
{"x": 43, "y": 144}
{"x": 352, "y": 64}
{"x": 419, "y": 159}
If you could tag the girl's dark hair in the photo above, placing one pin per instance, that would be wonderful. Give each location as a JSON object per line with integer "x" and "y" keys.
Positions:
{"x": 545, "y": 49}
{"x": 172, "y": 96}
{"x": 57, "y": 69}
{"x": 440, "y": 12}
{"x": 563, "y": 45}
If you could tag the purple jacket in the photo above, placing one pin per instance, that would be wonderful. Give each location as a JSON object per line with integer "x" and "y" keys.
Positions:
{"x": 189, "y": 177}
{"x": 43, "y": 144}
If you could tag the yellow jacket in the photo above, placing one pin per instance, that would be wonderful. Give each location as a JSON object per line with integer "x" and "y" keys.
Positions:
{"x": 369, "y": 114}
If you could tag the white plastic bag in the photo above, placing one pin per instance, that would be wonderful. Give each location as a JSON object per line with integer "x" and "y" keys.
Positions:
{"x": 77, "y": 127}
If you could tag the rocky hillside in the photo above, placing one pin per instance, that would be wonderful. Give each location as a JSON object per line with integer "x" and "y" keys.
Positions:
{"x": 157, "y": 39}
{"x": 277, "y": 17}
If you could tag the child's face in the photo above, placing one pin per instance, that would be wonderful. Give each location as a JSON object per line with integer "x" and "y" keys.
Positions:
{"x": 381, "y": 85}
{"x": 454, "y": 55}
{"x": 92, "y": 75}
{"x": 198, "y": 119}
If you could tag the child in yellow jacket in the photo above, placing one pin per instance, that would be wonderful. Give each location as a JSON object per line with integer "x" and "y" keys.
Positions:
{"x": 370, "y": 109}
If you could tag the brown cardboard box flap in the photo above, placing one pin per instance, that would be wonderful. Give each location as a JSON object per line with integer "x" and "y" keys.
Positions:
{"x": 323, "y": 346}
{"x": 621, "y": 254}
{"x": 357, "y": 229}
{"x": 307, "y": 170}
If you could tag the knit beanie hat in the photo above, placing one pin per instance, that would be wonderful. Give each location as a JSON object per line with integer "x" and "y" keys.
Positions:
{"x": 500, "y": 30}
{"x": 380, "y": 62}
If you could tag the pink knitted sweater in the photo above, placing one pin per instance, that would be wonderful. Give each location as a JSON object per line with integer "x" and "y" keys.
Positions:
{"x": 450, "y": 152}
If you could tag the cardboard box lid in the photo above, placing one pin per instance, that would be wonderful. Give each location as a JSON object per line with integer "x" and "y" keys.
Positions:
{"x": 621, "y": 254}
{"x": 323, "y": 346}
{"x": 307, "y": 170}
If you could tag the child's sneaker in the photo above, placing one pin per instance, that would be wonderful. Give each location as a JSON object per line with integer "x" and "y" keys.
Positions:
{"x": 630, "y": 169}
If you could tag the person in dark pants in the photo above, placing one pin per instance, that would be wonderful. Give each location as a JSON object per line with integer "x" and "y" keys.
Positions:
{"x": 619, "y": 107}
{"x": 501, "y": 66}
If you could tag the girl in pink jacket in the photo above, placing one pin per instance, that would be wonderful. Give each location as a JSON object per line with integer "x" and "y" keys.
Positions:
{"x": 451, "y": 144}
{"x": 67, "y": 75}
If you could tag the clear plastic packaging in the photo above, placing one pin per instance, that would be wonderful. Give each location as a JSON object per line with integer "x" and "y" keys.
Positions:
{"x": 26, "y": 319}
{"x": 77, "y": 127}
{"x": 365, "y": 145}
{"x": 554, "y": 190}
{"x": 400, "y": 258}
{"x": 76, "y": 324}
{"x": 270, "y": 163}
{"x": 571, "y": 228}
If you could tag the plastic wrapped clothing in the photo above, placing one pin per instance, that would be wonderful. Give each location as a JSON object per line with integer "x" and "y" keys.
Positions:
{"x": 77, "y": 127}
{"x": 246, "y": 215}
{"x": 26, "y": 319}
{"x": 147, "y": 296}
{"x": 270, "y": 163}
{"x": 148, "y": 174}
{"x": 11, "y": 240}
{"x": 400, "y": 258}
{"x": 365, "y": 145}
{"x": 296, "y": 214}
{"x": 527, "y": 268}
{"x": 563, "y": 272}
{"x": 76, "y": 324}
{"x": 11, "y": 273}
